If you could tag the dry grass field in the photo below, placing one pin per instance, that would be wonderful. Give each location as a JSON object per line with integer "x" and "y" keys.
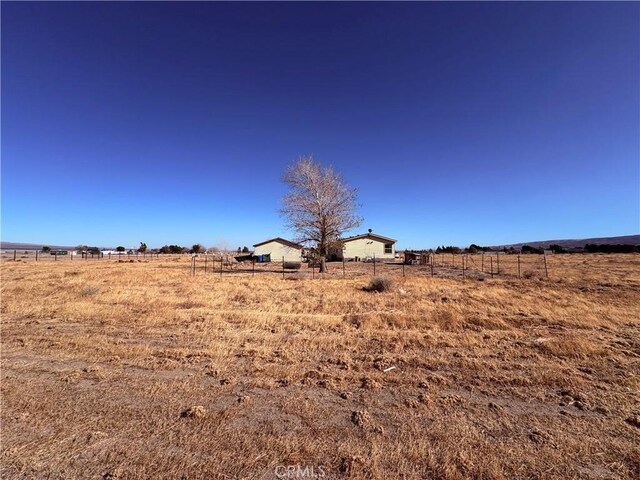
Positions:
{"x": 136, "y": 370}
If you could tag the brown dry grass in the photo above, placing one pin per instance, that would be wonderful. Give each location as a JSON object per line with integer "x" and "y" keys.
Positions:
{"x": 501, "y": 378}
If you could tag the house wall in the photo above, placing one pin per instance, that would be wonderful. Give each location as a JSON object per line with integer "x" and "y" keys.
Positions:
{"x": 367, "y": 247}
{"x": 278, "y": 250}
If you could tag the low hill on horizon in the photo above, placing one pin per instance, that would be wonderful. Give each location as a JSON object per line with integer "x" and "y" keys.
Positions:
{"x": 578, "y": 242}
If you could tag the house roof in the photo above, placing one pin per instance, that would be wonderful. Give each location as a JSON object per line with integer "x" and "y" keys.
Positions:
{"x": 370, "y": 235}
{"x": 280, "y": 240}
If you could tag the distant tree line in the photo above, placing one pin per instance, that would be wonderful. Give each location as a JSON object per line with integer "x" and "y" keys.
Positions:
{"x": 619, "y": 248}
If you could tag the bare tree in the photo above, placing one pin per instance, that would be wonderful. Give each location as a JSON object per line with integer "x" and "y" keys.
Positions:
{"x": 320, "y": 206}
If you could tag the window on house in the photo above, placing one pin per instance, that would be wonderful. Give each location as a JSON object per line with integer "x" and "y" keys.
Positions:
{"x": 388, "y": 248}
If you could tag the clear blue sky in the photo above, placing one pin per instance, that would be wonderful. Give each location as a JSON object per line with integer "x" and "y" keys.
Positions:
{"x": 458, "y": 122}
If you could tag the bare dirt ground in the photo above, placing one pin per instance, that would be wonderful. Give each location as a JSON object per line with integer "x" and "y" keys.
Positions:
{"x": 139, "y": 370}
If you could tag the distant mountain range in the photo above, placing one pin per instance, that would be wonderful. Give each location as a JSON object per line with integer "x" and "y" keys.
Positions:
{"x": 579, "y": 242}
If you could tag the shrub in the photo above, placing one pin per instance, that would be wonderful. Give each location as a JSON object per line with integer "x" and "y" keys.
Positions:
{"x": 379, "y": 284}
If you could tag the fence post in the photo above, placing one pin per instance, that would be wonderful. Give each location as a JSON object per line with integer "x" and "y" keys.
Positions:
{"x": 313, "y": 270}
{"x": 220, "y": 265}
{"x": 55, "y": 256}
{"x": 463, "y": 262}
{"x": 546, "y": 270}
{"x": 14, "y": 255}
{"x": 518, "y": 265}
{"x": 432, "y": 260}
{"x": 36, "y": 255}
{"x": 283, "y": 268}
{"x": 374, "y": 264}
{"x": 403, "y": 269}
{"x": 498, "y": 261}
{"x": 343, "y": 267}
{"x": 491, "y": 258}
{"x": 253, "y": 267}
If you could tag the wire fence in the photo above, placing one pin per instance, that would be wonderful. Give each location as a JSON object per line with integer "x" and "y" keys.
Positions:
{"x": 479, "y": 266}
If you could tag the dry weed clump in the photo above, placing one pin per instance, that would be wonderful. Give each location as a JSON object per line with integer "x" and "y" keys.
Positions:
{"x": 379, "y": 284}
{"x": 197, "y": 411}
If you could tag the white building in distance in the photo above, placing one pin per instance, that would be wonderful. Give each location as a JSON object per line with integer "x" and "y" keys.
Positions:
{"x": 274, "y": 249}
{"x": 368, "y": 246}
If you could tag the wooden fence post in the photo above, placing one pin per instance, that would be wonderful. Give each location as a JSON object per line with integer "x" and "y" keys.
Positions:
{"x": 498, "y": 262}
{"x": 313, "y": 270}
{"x": 36, "y": 255}
{"x": 432, "y": 260}
{"x": 546, "y": 270}
{"x": 403, "y": 269}
{"x": 463, "y": 262}
{"x": 518, "y": 265}
{"x": 14, "y": 255}
{"x": 491, "y": 258}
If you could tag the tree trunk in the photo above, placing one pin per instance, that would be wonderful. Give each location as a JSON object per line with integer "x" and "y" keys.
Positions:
{"x": 323, "y": 255}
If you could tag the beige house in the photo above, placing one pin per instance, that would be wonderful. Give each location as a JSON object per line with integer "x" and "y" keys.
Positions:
{"x": 368, "y": 246}
{"x": 276, "y": 248}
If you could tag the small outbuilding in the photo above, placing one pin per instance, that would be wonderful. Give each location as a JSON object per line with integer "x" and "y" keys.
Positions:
{"x": 274, "y": 249}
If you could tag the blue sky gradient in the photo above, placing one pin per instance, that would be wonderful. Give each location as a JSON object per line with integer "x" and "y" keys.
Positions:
{"x": 168, "y": 123}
